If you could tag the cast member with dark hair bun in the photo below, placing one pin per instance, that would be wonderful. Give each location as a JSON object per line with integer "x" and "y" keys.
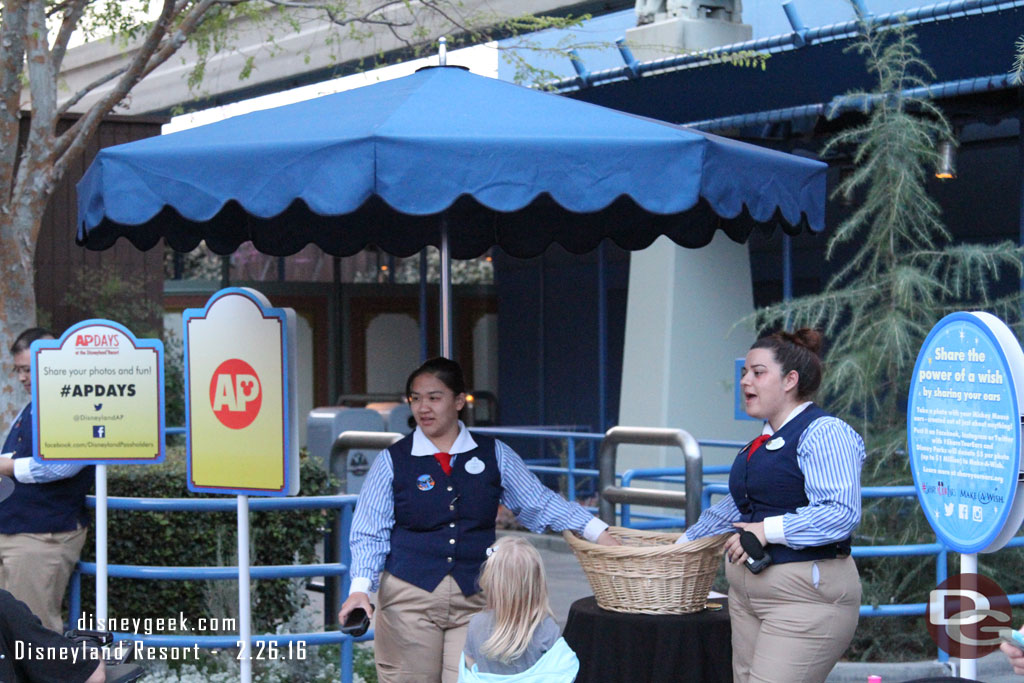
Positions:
{"x": 797, "y": 489}
{"x": 424, "y": 521}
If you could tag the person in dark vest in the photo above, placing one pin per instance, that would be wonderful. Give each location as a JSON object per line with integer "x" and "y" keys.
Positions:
{"x": 43, "y": 523}
{"x": 797, "y": 489}
{"x": 425, "y": 518}
{"x": 22, "y": 632}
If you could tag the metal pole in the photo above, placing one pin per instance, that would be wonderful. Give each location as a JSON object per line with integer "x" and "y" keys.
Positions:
{"x": 424, "y": 323}
{"x": 335, "y": 379}
{"x": 101, "y": 544}
{"x": 969, "y": 565}
{"x": 541, "y": 383}
{"x": 446, "y": 292}
{"x": 602, "y": 341}
{"x": 1020, "y": 179}
{"x": 244, "y": 601}
{"x": 787, "y": 267}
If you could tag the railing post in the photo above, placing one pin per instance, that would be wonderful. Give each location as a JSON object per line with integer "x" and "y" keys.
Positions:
{"x": 649, "y": 436}
{"x": 75, "y": 599}
{"x": 347, "y": 661}
{"x": 572, "y": 469}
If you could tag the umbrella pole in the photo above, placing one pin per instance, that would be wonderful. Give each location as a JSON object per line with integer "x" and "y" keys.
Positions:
{"x": 446, "y": 292}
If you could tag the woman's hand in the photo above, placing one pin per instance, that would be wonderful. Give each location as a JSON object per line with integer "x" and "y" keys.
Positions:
{"x": 355, "y": 601}
{"x": 607, "y": 539}
{"x": 1015, "y": 657}
{"x": 733, "y": 550}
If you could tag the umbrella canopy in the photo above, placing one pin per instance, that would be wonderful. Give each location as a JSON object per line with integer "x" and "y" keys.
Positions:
{"x": 399, "y": 163}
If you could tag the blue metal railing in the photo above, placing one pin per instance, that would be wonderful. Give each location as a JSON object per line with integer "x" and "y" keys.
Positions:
{"x": 344, "y": 504}
{"x": 570, "y": 471}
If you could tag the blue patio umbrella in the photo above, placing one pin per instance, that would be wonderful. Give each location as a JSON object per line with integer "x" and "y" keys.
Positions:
{"x": 445, "y": 158}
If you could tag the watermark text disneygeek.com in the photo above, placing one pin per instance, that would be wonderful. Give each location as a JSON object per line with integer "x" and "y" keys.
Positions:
{"x": 150, "y": 625}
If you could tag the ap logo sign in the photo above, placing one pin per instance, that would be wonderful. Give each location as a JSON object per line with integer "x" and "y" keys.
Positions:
{"x": 966, "y": 612}
{"x": 235, "y": 394}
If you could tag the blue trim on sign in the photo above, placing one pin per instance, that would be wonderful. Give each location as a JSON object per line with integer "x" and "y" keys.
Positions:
{"x": 281, "y": 316}
{"x": 979, "y": 326}
{"x": 57, "y": 344}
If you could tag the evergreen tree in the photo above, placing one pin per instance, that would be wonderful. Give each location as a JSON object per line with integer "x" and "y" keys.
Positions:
{"x": 904, "y": 275}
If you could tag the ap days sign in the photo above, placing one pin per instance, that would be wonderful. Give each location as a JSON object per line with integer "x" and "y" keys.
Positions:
{"x": 98, "y": 394}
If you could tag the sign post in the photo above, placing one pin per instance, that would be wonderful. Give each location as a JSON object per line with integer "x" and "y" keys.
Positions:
{"x": 964, "y": 435}
{"x": 99, "y": 398}
{"x": 241, "y": 410}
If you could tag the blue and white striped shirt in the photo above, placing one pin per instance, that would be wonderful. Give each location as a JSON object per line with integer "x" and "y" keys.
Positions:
{"x": 28, "y": 471}
{"x": 830, "y": 454}
{"x": 536, "y": 506}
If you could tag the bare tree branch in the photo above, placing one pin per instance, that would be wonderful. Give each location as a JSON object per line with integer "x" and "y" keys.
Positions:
{"x": 102, "y": 80}
{"x": 12, "y": 56}
{"x": 79, "y": 132}
{"x": 158, "y": 47}
{"x": 75, "y": 10}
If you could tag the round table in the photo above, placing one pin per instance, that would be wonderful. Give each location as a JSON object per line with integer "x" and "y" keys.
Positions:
{"x": 638, "y": 648}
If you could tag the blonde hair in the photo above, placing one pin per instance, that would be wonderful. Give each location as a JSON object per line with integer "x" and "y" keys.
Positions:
{"x": 516, "y": 589}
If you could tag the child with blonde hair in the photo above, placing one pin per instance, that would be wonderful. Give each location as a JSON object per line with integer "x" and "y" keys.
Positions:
{"x": 516, "y": 637}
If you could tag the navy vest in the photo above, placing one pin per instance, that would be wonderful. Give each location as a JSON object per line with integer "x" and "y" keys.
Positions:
{"x": 443, "y": 523}
{"x": 770, "y": 483}
{"x": 42, "y": 508}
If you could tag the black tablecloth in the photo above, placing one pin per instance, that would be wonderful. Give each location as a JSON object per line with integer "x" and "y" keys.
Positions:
{"x": 645, "y": 648}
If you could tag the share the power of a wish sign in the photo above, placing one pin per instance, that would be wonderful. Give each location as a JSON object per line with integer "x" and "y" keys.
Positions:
{"x": 964, "y": 429}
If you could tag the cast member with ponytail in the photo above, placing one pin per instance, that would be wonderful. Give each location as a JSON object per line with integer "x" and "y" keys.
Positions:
{"x": 797, "y": 489}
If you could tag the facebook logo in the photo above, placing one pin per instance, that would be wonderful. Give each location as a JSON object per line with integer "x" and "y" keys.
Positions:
{"x": 99, "y": 432}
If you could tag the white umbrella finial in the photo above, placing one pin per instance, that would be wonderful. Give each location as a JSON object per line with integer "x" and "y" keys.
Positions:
{"x": 442, "y": 51}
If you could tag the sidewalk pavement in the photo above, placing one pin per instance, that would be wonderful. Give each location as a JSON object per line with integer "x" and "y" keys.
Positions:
{"x": 567, "y": 583}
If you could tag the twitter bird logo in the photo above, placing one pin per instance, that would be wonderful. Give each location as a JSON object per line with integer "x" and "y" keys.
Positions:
{"x": 97, "y": 406}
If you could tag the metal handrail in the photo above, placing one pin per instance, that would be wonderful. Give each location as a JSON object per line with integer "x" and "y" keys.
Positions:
{"x": 649, "y": 436}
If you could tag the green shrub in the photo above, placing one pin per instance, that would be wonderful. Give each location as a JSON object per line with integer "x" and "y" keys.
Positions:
{"x": 202, "y": 539}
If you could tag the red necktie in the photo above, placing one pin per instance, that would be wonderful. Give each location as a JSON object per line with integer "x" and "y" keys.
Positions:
{"x": 445, "y": 461}
{"x": 756, "y": 443}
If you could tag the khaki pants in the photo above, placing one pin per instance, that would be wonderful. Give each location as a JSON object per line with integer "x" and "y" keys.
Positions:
{"x": 35, "y": 568}
{"x": 418, "y": 636}
{"x": 793, "y": 621}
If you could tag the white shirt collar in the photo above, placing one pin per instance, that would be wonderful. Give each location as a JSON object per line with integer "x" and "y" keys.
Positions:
{"x": 767, "y": 429}
{"x": 422, "y": 445}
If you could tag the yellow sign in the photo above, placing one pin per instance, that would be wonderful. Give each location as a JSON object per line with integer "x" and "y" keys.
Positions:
{"x": 98, "y": 394}
{"x": 240, "y": 396}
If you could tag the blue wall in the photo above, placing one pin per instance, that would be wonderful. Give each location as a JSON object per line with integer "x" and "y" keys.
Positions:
{"x": 548, "y": 332}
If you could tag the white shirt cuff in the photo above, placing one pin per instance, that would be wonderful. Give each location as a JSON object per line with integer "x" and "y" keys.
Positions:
{"x": 594, "y": 528}
{"x": 360, "y": 584}
{"x": 683, "y": 539}
{"x": 773, "y": 531}
{"x": 23, "y": 471}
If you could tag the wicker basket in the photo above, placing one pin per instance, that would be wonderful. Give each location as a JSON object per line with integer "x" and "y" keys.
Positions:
{"x": 649, "y": 573}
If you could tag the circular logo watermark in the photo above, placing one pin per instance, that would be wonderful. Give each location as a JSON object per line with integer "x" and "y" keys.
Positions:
{"x": 965, "y": 614}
